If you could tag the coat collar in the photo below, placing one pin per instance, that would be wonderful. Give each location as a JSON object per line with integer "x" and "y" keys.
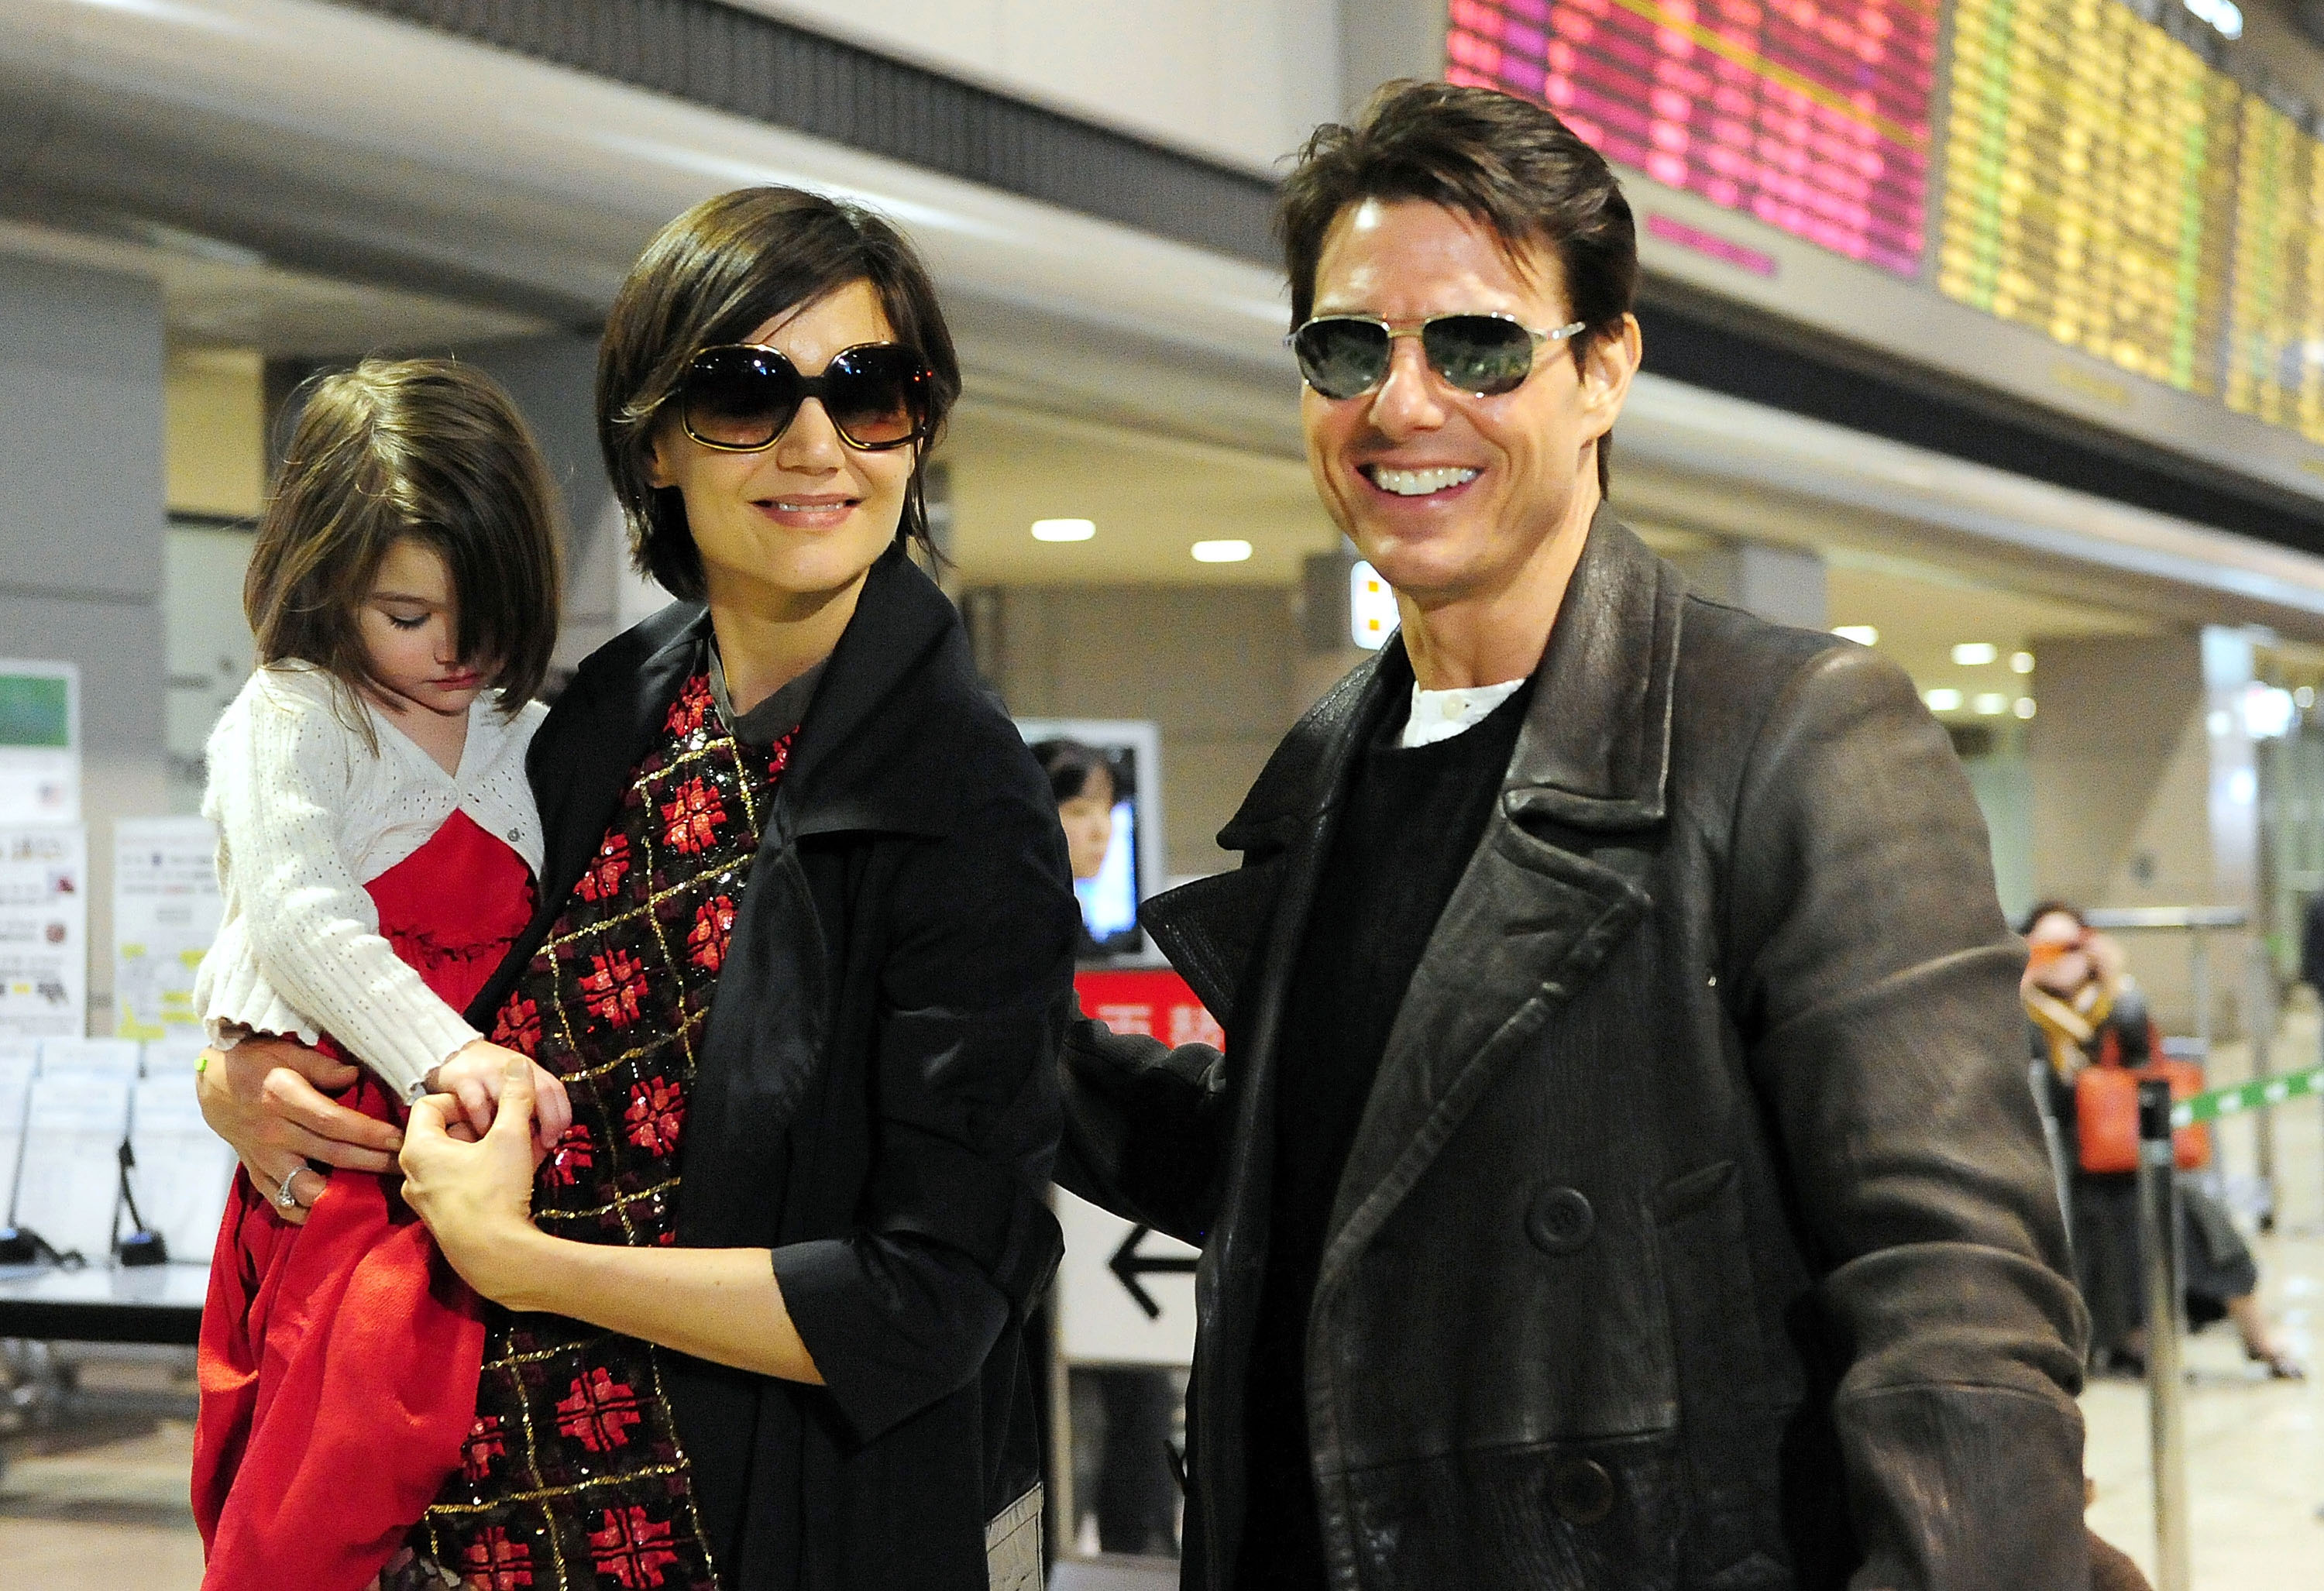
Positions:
{"x": 851, "y": 768}
{"x": 1594, "y": 751}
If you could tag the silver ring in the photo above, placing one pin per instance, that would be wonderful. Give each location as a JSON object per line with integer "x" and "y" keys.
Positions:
{"x": 283, "y": 1196}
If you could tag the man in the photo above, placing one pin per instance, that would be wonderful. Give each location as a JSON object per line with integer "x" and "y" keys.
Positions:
{"x": 1621, "y": 1171}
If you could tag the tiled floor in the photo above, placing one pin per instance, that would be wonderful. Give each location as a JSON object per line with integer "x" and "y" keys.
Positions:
{"x": 103, "y": 1508}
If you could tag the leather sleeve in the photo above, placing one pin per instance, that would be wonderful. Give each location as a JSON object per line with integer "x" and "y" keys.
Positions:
{"x": 1876, "y": 990}
{"x": 955, "y": 1231}
{"x": 1142, "y": 1126}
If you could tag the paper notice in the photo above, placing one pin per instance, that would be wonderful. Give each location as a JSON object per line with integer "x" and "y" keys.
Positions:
{"x": 166, "y": 908}
{"x": 69, "y": 1181}
{"x": 43, "y": 930}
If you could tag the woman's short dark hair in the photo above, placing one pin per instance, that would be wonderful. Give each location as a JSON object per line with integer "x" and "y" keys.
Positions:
{"x": 1070, "y": 763}
{"x": 427, "y": 449}
{"x": 1507, "y": 163}
{"x": 715, "y": 275}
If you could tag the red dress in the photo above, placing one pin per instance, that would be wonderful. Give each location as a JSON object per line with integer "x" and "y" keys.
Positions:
{"x": 339, "y": 1359}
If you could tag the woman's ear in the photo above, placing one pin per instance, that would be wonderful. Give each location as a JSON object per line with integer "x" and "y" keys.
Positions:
{"x": 660, "y": 471}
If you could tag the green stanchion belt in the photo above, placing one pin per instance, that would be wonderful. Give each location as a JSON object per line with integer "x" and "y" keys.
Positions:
{"x": 2251, "y": 1096}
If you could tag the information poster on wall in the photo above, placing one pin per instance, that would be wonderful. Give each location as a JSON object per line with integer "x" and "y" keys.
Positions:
{"x": 43, "y": 930}
{"x": 166, "y": 908}
{"x": 40, "y": 742}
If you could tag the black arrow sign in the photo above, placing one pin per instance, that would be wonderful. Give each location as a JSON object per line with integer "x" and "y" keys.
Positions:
{"x": 1129, "y": 1265}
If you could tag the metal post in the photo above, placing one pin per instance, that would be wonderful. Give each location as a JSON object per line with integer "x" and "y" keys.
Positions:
{"x": 2037, "y": 1076}
{"x": 2166, "y": 1380}
{"x": 2199, "y": 974}
{"x": 2259, "y": 1022}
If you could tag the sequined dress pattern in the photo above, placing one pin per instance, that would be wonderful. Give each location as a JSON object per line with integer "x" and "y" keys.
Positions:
{"x": 572, "y": 1476}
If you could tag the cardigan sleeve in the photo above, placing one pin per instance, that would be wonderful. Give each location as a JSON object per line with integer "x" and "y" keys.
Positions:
{"x": 302, "y": 937}
{"x": 956, "y": 1232}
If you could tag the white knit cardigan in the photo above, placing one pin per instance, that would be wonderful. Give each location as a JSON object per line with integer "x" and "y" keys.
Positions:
{"x": 307, "y": 815}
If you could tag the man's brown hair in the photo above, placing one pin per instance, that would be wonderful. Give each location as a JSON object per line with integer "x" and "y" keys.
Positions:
{"x": 426, "y": 448}
{"x": 715, "y": 275}
{"x": 1505, "y": 163}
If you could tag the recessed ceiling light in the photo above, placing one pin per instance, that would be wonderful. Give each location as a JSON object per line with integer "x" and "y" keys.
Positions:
{"x": 2024, "y": 706}
{"x": 1975, "y": 654}
{"x": 2021, "y": 662}
{"x": 1863, "y": 635}
{"x": 1064, "y": 529}
{"x": 1942, "y": 700}
{"x": 1992, "y": 704}
{"x": 1221, "y": 552}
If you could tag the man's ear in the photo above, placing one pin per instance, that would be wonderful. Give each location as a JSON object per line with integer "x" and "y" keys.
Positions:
{"x": 1608, "y": 363}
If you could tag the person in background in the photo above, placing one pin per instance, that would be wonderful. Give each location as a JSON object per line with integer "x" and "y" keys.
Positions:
{"x": 2087, "y": 1011}
{"x": 1135, "y": 1499}
{"x": 377, "y": 849}
{"x": 1621, "y": 1171}
{"x": 802, "y": 959}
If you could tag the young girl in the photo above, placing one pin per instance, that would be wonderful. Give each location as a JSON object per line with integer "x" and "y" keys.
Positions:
{"x": 377, "y": 848}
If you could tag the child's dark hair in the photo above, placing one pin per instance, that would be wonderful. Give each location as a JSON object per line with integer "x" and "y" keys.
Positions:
{"x": 426, "y": 448}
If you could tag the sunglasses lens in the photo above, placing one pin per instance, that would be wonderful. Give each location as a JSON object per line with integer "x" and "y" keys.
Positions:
{"x": 878, "y": 396}
{"x": 738, "y": 396}
{"x": 1342, "y": 357}
{"x": 1480, "y": 353}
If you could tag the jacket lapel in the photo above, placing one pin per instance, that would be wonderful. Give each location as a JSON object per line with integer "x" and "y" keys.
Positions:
{"x": 1530, "y": 919}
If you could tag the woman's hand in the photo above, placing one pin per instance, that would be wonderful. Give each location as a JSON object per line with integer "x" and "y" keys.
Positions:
{"x": 265, "y": 1096}
{"x": 476, "y": 1199}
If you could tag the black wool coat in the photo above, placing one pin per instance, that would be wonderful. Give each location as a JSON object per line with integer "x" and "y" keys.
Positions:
{"x": 1699, "y": 1231}
{"x": 876, "y": 1100}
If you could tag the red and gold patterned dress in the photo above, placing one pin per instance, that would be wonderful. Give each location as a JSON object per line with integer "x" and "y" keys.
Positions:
{"x": 573, "y": 1475}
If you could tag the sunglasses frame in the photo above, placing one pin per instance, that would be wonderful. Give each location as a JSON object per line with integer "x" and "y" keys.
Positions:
{"x": 1418, "y": 328}
{"x": 810, "y": 386}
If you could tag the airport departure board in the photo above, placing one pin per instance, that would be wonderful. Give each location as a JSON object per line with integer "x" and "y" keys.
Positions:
{"x": 2275, "y": 315}
{"x": 1812, "y": 115}
{"x": 2090, "y": 167}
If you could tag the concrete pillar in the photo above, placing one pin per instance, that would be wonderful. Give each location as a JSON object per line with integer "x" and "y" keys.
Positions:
{"x": 2143, "y": 793}
{"x": 82, "y": 525}
{"x": 553, "y": 380}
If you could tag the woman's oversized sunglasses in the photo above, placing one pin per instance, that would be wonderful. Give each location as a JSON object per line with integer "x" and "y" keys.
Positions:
{"x": 1343, "y": 355}
{"x": 740, "y": 397}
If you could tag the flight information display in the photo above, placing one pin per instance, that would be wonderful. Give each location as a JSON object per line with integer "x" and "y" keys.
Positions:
{"x": 2275, "y": 317}
{"x": 2091, "y": 169}
{"x": 1811, "y": 115}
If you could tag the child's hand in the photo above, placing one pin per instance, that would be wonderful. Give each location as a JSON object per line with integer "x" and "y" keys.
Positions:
{"x": 474, "y": 1076}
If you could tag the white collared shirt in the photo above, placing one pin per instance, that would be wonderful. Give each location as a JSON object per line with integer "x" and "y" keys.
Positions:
{"x": 1439, "y": 715}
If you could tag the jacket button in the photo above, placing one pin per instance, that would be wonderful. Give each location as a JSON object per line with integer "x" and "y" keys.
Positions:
{"x": 1580, "y": 1491}
{"x": 1559, "y": 1221}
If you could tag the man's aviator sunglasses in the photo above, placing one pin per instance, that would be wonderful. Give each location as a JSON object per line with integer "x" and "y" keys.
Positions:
{"x": 740, "y": 397}
{"x": 1344, "y": 356}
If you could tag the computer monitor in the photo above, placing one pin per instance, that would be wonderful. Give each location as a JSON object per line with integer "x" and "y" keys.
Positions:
{"x": 1130, "y": 751}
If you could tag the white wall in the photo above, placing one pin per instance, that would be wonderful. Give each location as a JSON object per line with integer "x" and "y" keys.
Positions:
{"x": 81, "y": 534}
{"x": 1239, "y": 81}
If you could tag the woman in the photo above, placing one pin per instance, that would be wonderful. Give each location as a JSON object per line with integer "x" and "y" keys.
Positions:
{"x": 2082, "y": 1003}
{"x": 803, "y": 960}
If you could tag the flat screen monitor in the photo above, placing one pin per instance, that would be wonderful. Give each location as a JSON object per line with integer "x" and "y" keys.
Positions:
{"x": 1127, "y": 753}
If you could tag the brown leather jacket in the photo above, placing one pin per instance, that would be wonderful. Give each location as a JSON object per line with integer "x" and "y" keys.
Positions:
{"x": 1699, "y": 1232}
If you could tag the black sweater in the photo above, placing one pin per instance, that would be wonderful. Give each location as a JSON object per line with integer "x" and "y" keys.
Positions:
{"x": 1411, "y": 818}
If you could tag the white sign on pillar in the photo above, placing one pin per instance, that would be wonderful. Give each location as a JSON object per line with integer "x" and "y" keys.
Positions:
{"x": 43, "y": 930}
{"x": 166, "y": 909}
{"x": 1125, "y": 1294}
{"x": 40, "y": 742}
